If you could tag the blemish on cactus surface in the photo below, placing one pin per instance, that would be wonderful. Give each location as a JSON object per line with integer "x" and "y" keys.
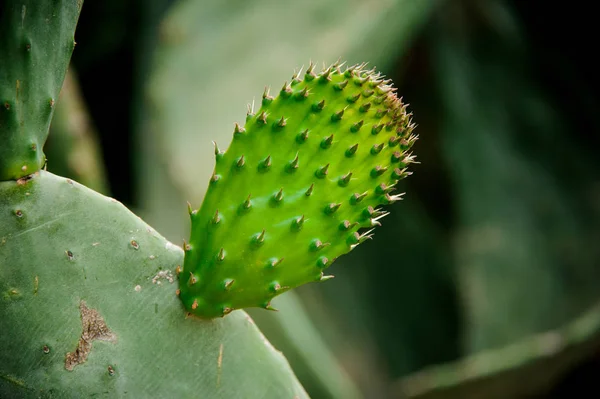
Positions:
{"x": 13, "y": 380}
{"x": 319, "y": 173}
{"x": 111, "y": 371}
{"x": 94, "y": 328}
{"x": 36, "y": 285}
{"x": 23, "y": 180}
{"x": 46, "y": 349}
{"x": 70, "y": 255}
{"x": 18, "y": 213}
{"x": 219, "y": 365}
{"x": 162, "y": 275}
{"x": 134, "y": 244}
{"x": 12, "y": 293}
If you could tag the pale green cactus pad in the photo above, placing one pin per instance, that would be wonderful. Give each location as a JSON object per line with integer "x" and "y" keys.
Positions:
{"x": 301, "y": 184}
{"x": 88, "y": 308}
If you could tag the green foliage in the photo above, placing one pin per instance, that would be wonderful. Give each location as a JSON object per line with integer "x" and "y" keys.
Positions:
{"x": 70, "y": 256}
{"x": 36, "y": 42}
{"x": 289, "y": 196}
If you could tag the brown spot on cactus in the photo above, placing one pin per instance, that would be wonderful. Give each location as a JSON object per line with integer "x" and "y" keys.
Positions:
{"x": 94, "y": 328}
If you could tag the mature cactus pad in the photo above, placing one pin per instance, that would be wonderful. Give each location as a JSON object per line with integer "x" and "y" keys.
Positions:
{"x": 36, "y": 42}
{"x": 88, "y": 308}
{"x": 301, "y": 184}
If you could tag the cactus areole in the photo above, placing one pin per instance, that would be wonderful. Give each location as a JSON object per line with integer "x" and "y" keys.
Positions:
{"x": 302, "y": 183}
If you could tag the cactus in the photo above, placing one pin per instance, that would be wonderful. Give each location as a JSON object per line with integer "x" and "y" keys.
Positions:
{"x": 87, "y": 296}
{"x": 300, "y": 185}
{"x": 88, "y": 308}
{"x": 35, "y": 47}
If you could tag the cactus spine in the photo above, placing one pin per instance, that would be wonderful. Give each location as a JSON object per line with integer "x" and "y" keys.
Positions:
{"x": 300, "y": 185}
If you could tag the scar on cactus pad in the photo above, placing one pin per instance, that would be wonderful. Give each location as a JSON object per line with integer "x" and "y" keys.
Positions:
{"x": 302, "y": 183}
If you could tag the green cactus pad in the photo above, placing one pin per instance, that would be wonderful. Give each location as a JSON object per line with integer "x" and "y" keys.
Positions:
{"x": 35, "y": 48}
{"x": 301, "y": 184}
{"x": 88, "y": 308}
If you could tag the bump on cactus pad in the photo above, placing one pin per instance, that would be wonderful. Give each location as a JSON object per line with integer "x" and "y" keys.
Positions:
{"x": 302, "y": 183}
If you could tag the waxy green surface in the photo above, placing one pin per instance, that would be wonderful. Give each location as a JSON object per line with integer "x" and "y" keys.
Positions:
{"x": 36, "y": 42}
{"x": 301, "y": 184}
{"x": 63, "y": 245}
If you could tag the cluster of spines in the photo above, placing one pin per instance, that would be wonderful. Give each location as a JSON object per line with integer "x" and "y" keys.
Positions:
{"x": 382, "y": 99}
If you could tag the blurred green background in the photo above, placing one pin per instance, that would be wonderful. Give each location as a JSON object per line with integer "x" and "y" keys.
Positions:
{"x": 485, "y": 281}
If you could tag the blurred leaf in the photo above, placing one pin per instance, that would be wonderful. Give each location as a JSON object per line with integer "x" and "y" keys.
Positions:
{"x": 292, "y": 330}
{"x": 521, "y": 369}
{"x": 527, "y": 220}
{"x": 526, "y": 262}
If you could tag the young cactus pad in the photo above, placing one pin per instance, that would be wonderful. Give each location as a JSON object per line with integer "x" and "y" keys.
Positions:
{"x": 301, "y": 184}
